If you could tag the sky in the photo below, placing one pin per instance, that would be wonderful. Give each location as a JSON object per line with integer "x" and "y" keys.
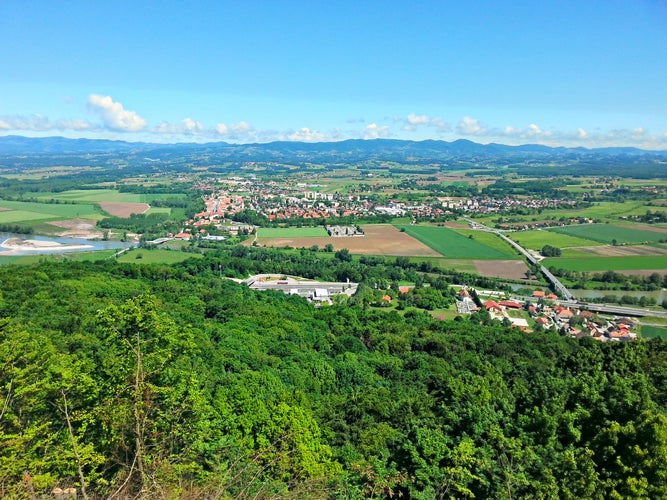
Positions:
{"x": 560, "y": 73}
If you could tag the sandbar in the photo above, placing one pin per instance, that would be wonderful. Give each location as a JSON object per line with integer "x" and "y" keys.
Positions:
{"x": 15, "y": 245}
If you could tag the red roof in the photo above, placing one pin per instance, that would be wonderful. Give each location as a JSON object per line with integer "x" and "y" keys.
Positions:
{"x": 491, "y": 304}
{"x": 511, "y": 304}
{"x": 538, "y": 293}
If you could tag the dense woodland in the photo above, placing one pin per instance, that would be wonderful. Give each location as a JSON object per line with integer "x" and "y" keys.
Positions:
{"x": 132, "y": 381}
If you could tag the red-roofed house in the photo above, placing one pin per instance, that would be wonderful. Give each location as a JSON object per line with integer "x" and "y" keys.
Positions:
{"x": 510, "y": 304}
{"x": 538, "y": 293}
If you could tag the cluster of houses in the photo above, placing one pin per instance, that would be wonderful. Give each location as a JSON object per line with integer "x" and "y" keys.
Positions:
{"x": 290, "y": 200}
{"x": 344, "y": 231}
{"x": 575, "y": 322}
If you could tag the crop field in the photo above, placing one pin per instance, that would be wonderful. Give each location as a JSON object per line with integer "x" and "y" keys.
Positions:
{"x": 20, "y": 211}
{"x": 292, "y": 232}
{"x": 379, "y": 239}
{"x": 608, "y": 233}
{"x": 485, "y": 238}
{"x": 595, "y": 264}
{"x": 535, "y": 240}
{"x": 654, "y": 331}
{"x": 101, "y": 195}
{"x": 453, "y": 244}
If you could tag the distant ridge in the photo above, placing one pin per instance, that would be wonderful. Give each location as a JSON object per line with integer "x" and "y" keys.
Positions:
{"x": 359, "y": 149}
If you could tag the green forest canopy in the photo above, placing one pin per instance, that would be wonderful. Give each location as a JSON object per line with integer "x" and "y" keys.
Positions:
{"x": 169, "y": 382}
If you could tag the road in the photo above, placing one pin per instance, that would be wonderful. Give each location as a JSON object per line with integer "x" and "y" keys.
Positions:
{"x": 558, "y": 286}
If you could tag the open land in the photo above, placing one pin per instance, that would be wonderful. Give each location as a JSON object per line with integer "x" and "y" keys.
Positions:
{"x": 608, "y": 233}
{"x": 507, "y": 269}
{"x": 124, "y": 210}
{"x": 379, "y": 239}
{"x": 452, "y": 244}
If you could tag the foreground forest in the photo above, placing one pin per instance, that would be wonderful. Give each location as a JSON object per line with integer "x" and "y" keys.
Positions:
{"x": 131, "y": 381}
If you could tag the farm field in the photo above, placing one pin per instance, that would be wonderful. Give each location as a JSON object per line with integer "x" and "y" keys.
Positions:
{"x": 653, "y": 332}
{"x": 156, "y": 256}
{"x": 535, "y": 240}
{"x": 21, "y": 211}
{"x": 292, "y": 232}
{"x": 485, "y": 238}
{"x": 379, "y": 239}
{"x": 608, "y": 233}
{"x": 452, "y": 244}
{"x": 101, "y": 195}
{"x": 594, "y": 264}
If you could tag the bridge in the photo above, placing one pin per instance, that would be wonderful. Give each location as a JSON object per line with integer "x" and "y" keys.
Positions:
{"x": 558, "y": 286}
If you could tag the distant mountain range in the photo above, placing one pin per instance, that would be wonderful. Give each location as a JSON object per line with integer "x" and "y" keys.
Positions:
{"x": 336, "y": 152}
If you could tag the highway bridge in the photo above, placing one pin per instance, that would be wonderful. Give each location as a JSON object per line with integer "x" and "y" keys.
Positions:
{"x": 558, "y": 286}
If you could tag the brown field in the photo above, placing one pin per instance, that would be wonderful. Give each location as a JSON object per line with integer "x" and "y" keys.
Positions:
{"x": 380, "y": 239}
{"x": 456, "y": 225}
{"x": 77, "y": 228}
{"x": 124, "y": 209}
{"x": 622, "y": 251}
{"x": 508, "y": 269}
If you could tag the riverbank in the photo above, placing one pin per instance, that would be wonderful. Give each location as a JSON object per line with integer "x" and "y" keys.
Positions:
{"x": 14, "y": 246}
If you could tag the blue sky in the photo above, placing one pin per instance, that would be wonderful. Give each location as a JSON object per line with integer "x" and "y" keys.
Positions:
{"x": 574, "y": 73}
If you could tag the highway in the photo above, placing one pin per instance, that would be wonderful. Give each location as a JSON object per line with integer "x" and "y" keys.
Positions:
{"x": 558, "y": 286}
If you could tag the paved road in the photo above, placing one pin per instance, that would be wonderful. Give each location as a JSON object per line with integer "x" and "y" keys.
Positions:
{"x": 560, "y": 288}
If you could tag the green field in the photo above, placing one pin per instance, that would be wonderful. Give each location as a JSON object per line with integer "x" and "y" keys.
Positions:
{"x": 156, "y": 256}
{"x": 109, "y": 195}
{"x": 34, "y": 259}
{"x": 292, "y": 232}
{"x": 654, "y": 331}
{"x": 608, "y": 233}
{"x": 535, "y": 240}
{"x": 21, "y": 211}
{"x": 455, "y": 245}
{"x": 634, "y": 263}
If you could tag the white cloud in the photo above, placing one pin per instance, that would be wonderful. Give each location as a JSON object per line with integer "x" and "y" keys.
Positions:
{"x": 306, "y": 135}
{"x": 470, "y": 126}
{"x": 413, "y": 122}
{"x": 374, "y": 131}
{"x": 114, "y": 115}
{"x": 582, "y": 133}
{"x": 38, "y": 123}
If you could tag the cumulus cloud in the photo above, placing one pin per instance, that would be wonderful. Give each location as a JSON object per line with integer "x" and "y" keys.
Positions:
{"x": 582, "y": 133}
{"x": 414, "y": 121}
{"x": 306, "y": 135}
{"x": 374, "y": 131}
{"x": 114, "y": 115}
{"x": 38, "y": 123}
{"x": 470, "y": 126}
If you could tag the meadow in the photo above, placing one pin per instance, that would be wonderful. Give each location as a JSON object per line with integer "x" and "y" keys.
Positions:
{"x": 610, "y": 233}
{"x": 109, "y": 195}
{"x": 22, "y": 211}
{"x": 292, "y": 232}
{"x": 455, "y": 245}
{"x": 535, "y": 240}
{"x": 597, "y": 264}
{"x": 650, "y": 332}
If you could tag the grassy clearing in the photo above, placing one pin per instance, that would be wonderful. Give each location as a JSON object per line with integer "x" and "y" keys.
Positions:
{"x": 21, "y": 211}
{"x": 608, "y": 233}
{"x": 156, "y": 256}
{"x": 109, "y": 195}
{"x": 488, "y": 239}
{"x": 537, "y": 239}
{"x": 34, "y": 259}
{"x": 292, "y": 232}
{"x": 650, "y": 332}
{"x": 454, "y": 245}
{"x": 633, "y": 263}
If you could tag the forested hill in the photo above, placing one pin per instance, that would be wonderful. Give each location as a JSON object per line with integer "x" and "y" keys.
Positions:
{"x": 169, "y": 382}
{"x": 333, "y": 153}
